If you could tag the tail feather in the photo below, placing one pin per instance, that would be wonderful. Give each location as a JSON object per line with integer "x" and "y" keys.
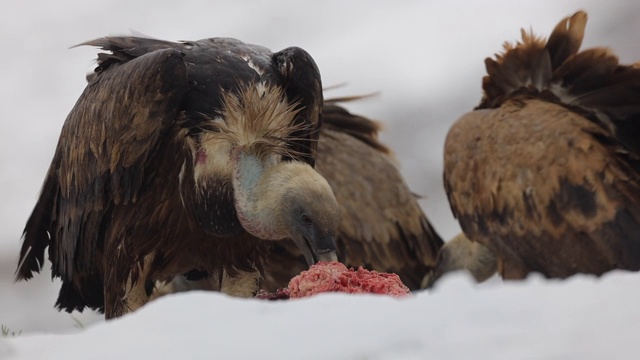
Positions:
{"x": 531, "y": 63}
{"x": 587, "y": 70}
{"x": 592, "y": 81}
{"x": 36, "y": 236}
{"x": 566, "y": 38}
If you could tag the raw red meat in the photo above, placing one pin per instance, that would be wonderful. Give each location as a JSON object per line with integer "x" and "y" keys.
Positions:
{"x": 334, "y": 276}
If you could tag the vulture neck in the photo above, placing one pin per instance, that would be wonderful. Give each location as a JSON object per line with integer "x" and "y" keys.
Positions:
{"x": 257, "y": 211}
{"x": 471, "y": 256}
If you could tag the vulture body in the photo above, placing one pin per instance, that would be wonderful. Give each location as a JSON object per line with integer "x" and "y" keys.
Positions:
{"x": 181, "y": 158}
{"x": 545, "y": 174}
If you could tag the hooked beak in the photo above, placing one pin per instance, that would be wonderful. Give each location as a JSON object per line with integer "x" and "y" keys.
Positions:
{"x": 318, "y": 249}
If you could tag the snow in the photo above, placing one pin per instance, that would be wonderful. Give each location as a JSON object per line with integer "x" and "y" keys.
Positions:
{"x": 581, "y": 319}
{"x": 426, "y": 61}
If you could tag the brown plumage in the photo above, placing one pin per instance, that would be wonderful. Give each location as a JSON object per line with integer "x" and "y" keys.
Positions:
{"x": 382, "y": 226}
{"x": 181, "y": 158}
{"x": 545, "y": 172}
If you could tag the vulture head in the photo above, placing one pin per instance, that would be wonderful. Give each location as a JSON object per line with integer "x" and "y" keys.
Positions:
{"x": 276, "y": 195}
{"x": 460, "y": 253}
{"x": 286, "y": 200}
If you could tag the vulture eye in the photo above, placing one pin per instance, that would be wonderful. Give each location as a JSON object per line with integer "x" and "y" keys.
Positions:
{"x": 306, "y": 219}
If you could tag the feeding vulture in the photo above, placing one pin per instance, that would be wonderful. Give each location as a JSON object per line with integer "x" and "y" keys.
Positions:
{"x": 544, "y": 175}
{"x": 182, "y": 157}
{"x": 382, "y": 226}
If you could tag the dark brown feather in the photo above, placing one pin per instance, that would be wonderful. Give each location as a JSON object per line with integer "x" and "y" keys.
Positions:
{"x": 91, "y": 170}
{"x": 541, "y": 173}
{"x": 363, "y": 129}
{"x": 382, "y": 226}
{"x": 301, "y": 77}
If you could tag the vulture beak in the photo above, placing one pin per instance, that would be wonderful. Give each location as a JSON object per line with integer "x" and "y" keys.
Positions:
{"x": 317, "y": 248}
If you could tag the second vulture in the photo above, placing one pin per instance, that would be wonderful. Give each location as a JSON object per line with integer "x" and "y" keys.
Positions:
{"x": 544, "y": 175}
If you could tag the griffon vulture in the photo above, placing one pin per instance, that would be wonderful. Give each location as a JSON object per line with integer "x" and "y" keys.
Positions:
{"x": 382, "y": 227}
{"x": 545, "y": 173}
{"x": 181, "y": 157}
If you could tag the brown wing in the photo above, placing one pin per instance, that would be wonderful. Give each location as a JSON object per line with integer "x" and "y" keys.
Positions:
{"x": 545, "y": 173}
{"x": 383, "y": 227}
{"x": 108, "y": 138}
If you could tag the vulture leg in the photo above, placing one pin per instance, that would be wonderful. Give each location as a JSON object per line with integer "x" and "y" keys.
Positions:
{"x": 120, "y": 300}
{"x": 243, "y": 284}
{"x": 136, "y": 296}
{"x": 181, "y": 284}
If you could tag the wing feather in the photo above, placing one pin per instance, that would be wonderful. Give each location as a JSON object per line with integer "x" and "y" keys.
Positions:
{"x": 108, "y": 137}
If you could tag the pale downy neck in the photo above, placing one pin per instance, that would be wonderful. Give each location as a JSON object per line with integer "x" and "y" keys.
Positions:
{"x": 251, "y": 182}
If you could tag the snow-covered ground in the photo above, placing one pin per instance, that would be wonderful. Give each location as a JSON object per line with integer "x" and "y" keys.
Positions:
{"x": 582, "y": 319}
{"x": 426, "y": 60}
